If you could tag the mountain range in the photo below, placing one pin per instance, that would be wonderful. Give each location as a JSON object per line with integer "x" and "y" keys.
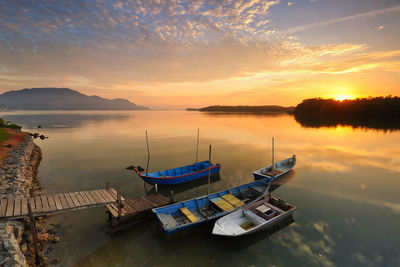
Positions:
{"x": 61, "y": 98}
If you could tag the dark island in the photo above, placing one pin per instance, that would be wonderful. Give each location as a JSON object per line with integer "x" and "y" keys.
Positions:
{"x": 61, "y": 98}
{"x": 249, "y": 109}
{"x": 377, "y": 113}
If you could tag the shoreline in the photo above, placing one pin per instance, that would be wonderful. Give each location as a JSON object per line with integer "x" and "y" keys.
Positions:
{"x": 18, "y": 171}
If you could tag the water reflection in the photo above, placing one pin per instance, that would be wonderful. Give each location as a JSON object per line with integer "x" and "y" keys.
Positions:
{"x": 389, "y": 124}
{"x": 345, "y": 183}
{"x": 68, "y": 120}
{"x": 179, "y": 188}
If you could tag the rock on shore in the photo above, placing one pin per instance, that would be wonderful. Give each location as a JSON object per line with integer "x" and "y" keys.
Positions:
{"x": 17, "y": 178}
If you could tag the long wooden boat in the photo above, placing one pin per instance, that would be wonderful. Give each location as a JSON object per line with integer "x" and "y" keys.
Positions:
{"x": 179, "y": 175}
{"x": 190, "y": 213}
{"x": 276, "y": 170}
{"x": 260, "y": 215}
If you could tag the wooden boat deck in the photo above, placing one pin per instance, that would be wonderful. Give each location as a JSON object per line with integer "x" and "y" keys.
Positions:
{"x": 233, "y": 200}
{"x": 188, "y": 214}
{"x": 222, "y": 204}
{"x": 16, "y": 208}
{"x": 272, "y": 173}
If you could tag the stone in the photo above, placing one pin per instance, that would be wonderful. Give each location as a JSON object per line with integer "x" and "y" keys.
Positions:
{"x": 17, "y": 175}
{"x": 24, "y": 248}
{"x": 55, "y": 261}
{"x": 43, "y": 237}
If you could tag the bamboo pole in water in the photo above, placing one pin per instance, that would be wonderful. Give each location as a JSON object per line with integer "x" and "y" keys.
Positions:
{"x": 148, "y": 153}
{"x": 197, "y": 146}
{"x": 273, "y": 154}
{"x": 209, "y": 178}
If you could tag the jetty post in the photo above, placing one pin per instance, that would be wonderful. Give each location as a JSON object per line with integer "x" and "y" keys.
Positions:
{"x": 32, "y": 224}
{"x": 108, "y": 212}
{"x": 119, "y": 205}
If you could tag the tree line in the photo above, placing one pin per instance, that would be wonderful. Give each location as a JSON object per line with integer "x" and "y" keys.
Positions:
{"x": 249, "y": 109}
{"x": 377, "y": 112}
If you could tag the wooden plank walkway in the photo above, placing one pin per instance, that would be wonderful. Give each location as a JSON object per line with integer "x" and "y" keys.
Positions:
{"x": 135, "y": 206}
{"x": 15, "y": 208}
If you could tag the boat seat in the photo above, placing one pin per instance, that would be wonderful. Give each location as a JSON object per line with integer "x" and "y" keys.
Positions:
{"x": 272, "y": 172}
{"x": 257, "y": 220}
{"x": 274, "y": 207}
{"x": 222, "y": 204}
{"x": 257, "y": 189}
{"x": 233, "y": 200}
{"x": 167, "y": 220}
{"x": 188, "y": 214}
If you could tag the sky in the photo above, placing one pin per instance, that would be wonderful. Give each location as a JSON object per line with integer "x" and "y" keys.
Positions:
{"x": 179, "y": 54}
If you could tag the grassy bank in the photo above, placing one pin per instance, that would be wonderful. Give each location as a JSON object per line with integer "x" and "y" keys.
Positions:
{"x": 4, "y": 134}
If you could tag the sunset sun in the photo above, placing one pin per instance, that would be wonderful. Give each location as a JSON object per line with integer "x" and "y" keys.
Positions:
{"x": 342, "y": 97}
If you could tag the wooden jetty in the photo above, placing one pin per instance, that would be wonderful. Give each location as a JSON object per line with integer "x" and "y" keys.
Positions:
{"x": 131, "y": 211}
{"x": 124, "y": 211}
{"x": 16, "y": 208}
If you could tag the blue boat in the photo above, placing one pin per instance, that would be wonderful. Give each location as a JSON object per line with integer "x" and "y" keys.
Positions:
{"x": 179, "y": 175}
{"x": 190, "y": 213}
{"x": 276, "y": 170}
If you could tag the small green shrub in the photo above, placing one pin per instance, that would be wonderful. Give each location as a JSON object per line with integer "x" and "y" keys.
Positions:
{"x": 3, "y": 134}
{"x": 8, "y": 124}
{"x": 14, "y": 126}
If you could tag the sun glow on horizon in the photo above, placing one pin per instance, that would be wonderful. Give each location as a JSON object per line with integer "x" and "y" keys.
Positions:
{"x": 343, "y": 97}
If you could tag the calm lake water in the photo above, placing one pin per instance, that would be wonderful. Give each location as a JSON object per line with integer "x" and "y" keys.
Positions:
{"x": 345, "y": 186}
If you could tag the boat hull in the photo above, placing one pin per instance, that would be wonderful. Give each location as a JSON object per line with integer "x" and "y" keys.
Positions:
{"x": 191, "y": 175}
{"x": 228, "y": 225}
{"x": 200, "y": 203}
{"x": 182, "y": 179}
{"x": 280, "y": 169}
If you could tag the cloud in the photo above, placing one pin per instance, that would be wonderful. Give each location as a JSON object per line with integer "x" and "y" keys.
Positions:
{"x": 299, "y": 246}
{"x": 182, "y": 47}
{"x": 127, "y": 23}
{"x": 158, "y": 41}
{"x": 342, "y": 19}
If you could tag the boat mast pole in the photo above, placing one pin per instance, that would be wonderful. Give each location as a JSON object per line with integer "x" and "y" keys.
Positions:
{"x": 273, "y": 154}
{"x": 197, "y": 146}
{"x": 148, "y": 153}
{"x": 269, "y": 185}
{"x": 208, "y": 185}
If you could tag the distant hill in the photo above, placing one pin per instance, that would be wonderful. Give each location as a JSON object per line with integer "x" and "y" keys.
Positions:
{"x": 61, "y": 98}
{"x": 249, "y": 109}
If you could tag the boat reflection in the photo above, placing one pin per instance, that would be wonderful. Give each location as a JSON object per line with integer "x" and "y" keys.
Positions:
{"x": 179, "y": 188}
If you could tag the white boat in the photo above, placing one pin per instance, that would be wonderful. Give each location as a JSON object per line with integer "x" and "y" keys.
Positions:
{"x": 254, "y": 217}
{"x": 275, "y": 170}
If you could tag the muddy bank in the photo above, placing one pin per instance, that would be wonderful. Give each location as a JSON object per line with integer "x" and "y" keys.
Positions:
{"x": 17, "y": 179}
